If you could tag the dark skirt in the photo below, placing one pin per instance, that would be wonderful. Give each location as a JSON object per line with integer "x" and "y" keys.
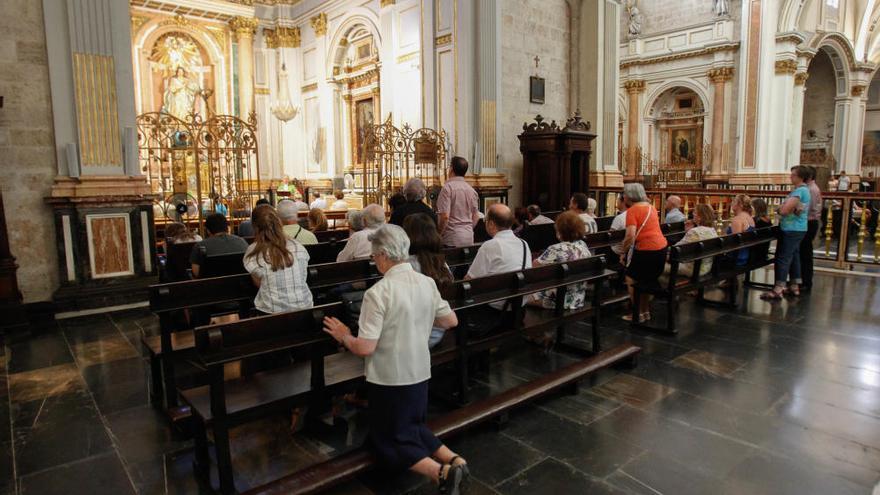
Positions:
{"x": 398, "y": 432}
{"x": 646, "y": 266}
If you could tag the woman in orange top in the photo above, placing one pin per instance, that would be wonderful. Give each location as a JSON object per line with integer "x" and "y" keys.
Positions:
{"x": 645, "y": 262}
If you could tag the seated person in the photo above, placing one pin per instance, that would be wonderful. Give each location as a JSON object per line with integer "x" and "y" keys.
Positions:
{"x": 520, "y": 220}
{"x": 355, "y": 221}
{"x": 289, "y": 215}
{"x": 278, "y": 265}
{"x": 177, "y": 233}
{"x": 703, "y": 228}
{"x": 535, "y": 216}
{"x": 570, "y": 231}
{"x": 426, "y": 257}
{"x": 673, "y": 210}
{"x": 219, "y": 241}
{"x": 504, "y": 252}
{"x": 414, "y": 193}
{"x": 245, "y": 228}
{"x": 619, "y": 222}
{"x": 742, "y": 221}
{"x": 579, "y": 204}
{"x": 317, "y": 220}
{"x": 320, "y": 202}
{"x": 760, "y": 215}
{"x": 340, "y": 203}
{"x": 298, "y": 201}
{"x": 358, "y": 245}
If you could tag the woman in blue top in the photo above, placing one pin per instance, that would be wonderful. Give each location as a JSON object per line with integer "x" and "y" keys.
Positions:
{"x": 793, "y": 224}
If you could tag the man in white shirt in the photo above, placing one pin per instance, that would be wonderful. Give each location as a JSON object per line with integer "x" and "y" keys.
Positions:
{"x": 843, "y": 181}
{"x": 579, "y": 204}
{"x": 619, "y": 222}
{"x": 673, "y": 210}
{"x": 319, "y": 202}
{"x": 358, "y": 245}
{"x": 505, "y": 252}
{"x": 535, "y": 216}
{"x": 289, "y": 214}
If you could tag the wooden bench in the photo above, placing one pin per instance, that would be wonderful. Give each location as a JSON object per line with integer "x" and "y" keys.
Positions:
{"x": 223, "y": 404}
{"x": 167, "y": 301}
{"x": 701, "y": 252}
{"x": 336, "y": 235}
{"x": 540, "y": 237}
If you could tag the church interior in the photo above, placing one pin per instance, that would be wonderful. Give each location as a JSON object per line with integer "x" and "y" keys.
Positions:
{"x": 135, "y": 361}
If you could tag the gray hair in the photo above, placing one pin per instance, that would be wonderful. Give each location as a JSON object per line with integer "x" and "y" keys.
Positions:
{"x": 391, "y": 240}
{"x": 287, "y": 210}
{"x": 634, "y": 192}
{"x": 374, "y": 215}
{"x": 591, "y": 205}
{"x": 355, "y": 220}
{"x": 414, "y": 189}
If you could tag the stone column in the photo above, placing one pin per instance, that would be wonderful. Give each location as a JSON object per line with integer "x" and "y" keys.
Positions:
{"x": 848, "y": 135}
{"x": 244, "y": 29}
{"x": 797, "y": 117}
{"x": 488, "y": 69}
{"x": 719, "y": 78}
{"x": 287, "y": 41}
{"x": 633, "y": 88}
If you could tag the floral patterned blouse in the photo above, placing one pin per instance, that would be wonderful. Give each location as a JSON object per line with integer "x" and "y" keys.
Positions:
{"x": 576, "y": 295}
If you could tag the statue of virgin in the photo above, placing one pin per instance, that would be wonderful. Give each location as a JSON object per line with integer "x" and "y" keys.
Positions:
{"x": 180, "y": 94}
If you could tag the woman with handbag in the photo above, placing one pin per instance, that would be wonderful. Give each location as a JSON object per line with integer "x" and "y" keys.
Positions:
{"x": 644, "y": 247}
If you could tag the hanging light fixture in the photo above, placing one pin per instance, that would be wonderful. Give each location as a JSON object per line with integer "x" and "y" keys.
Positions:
{"x": 283, "y": 108}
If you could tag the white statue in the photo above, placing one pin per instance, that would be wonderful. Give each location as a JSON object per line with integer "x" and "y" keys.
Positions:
{"x": 179, "y": 98}
{"x": 635, "y": 20}
{"x": 722, "y": 7}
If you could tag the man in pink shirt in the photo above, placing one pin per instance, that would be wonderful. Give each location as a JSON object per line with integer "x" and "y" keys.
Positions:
{"x": 814, "y": 216}
{"x": 457, "y": 206}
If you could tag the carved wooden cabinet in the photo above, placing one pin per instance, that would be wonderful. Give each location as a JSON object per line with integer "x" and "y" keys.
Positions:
{"x": 556, "y": 161}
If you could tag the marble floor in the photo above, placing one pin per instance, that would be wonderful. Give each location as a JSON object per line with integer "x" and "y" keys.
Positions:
{"x": 776, "y": 399}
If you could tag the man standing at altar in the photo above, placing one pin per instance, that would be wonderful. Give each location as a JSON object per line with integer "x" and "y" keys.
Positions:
{"x": 457, "y": 206}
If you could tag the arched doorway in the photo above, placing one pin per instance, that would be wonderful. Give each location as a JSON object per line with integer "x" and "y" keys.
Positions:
{"x": 826, "y": 80}
{"x": 676, "y": 130}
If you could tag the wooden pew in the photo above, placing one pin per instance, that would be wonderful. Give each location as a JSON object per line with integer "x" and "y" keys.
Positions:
{"x": 702, "y": 252}
{"x": 540, "y": 237}
{"x": 221, "y": 405}
{"x": 176, "y": 265}
{"x": 337, "y": 235}
{"x": 168, "y": 300}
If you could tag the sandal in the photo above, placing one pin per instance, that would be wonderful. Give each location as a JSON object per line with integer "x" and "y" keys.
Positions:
{"x": 772, "y": 295}
{"x": 450, "y": 483}
{"x": 794, "y": 290}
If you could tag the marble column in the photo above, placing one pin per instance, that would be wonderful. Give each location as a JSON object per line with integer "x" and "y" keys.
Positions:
{"x": 244, "y": 29}
{"x": 633, "y": 88}
{"x": 719, "y": 78}
{"x": 797, "y": 117}
{"x": 488, "y": 69}
{"x": 848, "y": 136}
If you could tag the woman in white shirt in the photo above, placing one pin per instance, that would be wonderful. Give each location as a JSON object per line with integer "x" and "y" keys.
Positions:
{"x": 395, "y": 322}
{"x": 278, "y": 265}
{"x": 703, "y": 228}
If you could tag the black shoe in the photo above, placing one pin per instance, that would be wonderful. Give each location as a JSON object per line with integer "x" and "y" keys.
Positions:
{"x": 451, "y": 483}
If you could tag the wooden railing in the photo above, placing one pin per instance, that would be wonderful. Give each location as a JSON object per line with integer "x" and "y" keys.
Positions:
{"x": 848, "y": 236}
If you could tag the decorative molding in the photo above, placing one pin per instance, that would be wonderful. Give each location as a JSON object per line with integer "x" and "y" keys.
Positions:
{"x": 577, "y": 124}
{"x": 178, "y": 20}
{"x": 346, "y": 98}
{"x": 407, "y": 57}
{"x": 858, "y": 90}
{"x": 540, "y": 126}
{"x": 319, "y": 24}
{"x": 720, "y": 75}
{"x": 376, "y": 90}
{"x": 786, "y": 66}
{"x": 800, "y": 78}
{"x": 244, "y": 27}
{"x": 729, "y": 47}
{"x": 283, "y": 37}
{"x": 795, "y": 38}
{"x": 443, "y": 40}
{"x": 386, "y": 3}
{"x": 261, "y": 91}
{"x": 309, "y": 87}
{"x": 136, "y": 22}
{"x": 634, "y": 86}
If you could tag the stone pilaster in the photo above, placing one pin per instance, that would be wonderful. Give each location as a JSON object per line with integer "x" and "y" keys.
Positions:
{"x": 719, "y": 78}
{"x": 244, "y": 29}
{"x": 634, "y": 88}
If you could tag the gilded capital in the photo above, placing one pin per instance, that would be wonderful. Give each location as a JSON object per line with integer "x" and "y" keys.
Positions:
{"x": 386, "y": 3}
{"x": 244, "y": 27}
{"x": 800, "y": 78}
{"x": 283, "y": 37}
{"x": 319, "y": 24}
{"x": 720, "y": 75}
{"x": 858, "y": 89}
{"x": 635, "y": 86}
{"x": 786, "y": 66}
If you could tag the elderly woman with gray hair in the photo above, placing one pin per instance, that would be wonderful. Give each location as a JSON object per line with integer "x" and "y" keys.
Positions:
{"x": 358, "y": 245}
{"x": 644, "y": 247}
{"x": 414, "y": 192}
{"x": 394, "y": 326}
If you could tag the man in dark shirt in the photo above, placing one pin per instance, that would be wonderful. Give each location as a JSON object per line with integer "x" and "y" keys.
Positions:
{"x": 246, "y": 229}
{"x": 414, "y": 192}
{"x": 219, "y": 241}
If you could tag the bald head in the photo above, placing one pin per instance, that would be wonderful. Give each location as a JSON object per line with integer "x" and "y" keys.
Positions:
{"x": 673, "y": 202}
{"x": 500, "y": 216}
{"x": 374, "y": 215}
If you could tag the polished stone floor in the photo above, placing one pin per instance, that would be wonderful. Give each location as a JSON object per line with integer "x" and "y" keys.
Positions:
{"x": 777, "y": 398}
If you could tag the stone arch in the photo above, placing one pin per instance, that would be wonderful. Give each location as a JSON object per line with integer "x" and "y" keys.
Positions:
{"x": 790, "y": 15}
{"x": 357, "y": 18}
{"x": 663, "y": 129}
{"x": 840, "y": 51}
{"x": 655, "y": 94}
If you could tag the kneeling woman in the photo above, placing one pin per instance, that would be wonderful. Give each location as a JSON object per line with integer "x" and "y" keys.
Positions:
{"x": 395, "y": 322}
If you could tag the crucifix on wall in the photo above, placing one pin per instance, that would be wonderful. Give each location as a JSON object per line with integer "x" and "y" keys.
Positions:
{"x": 536, "y": 85}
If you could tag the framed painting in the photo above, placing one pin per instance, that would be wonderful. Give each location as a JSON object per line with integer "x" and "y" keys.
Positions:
{"x": 683, "y": 148}
{"x": 363, "y": 119}
{"x": 536, "y": 89}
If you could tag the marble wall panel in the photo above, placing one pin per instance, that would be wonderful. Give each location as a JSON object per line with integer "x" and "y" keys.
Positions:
{"x": 109, "y": 245}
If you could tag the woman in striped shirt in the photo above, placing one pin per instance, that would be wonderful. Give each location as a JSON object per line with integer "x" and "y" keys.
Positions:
{"x": 278, "y": 265}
